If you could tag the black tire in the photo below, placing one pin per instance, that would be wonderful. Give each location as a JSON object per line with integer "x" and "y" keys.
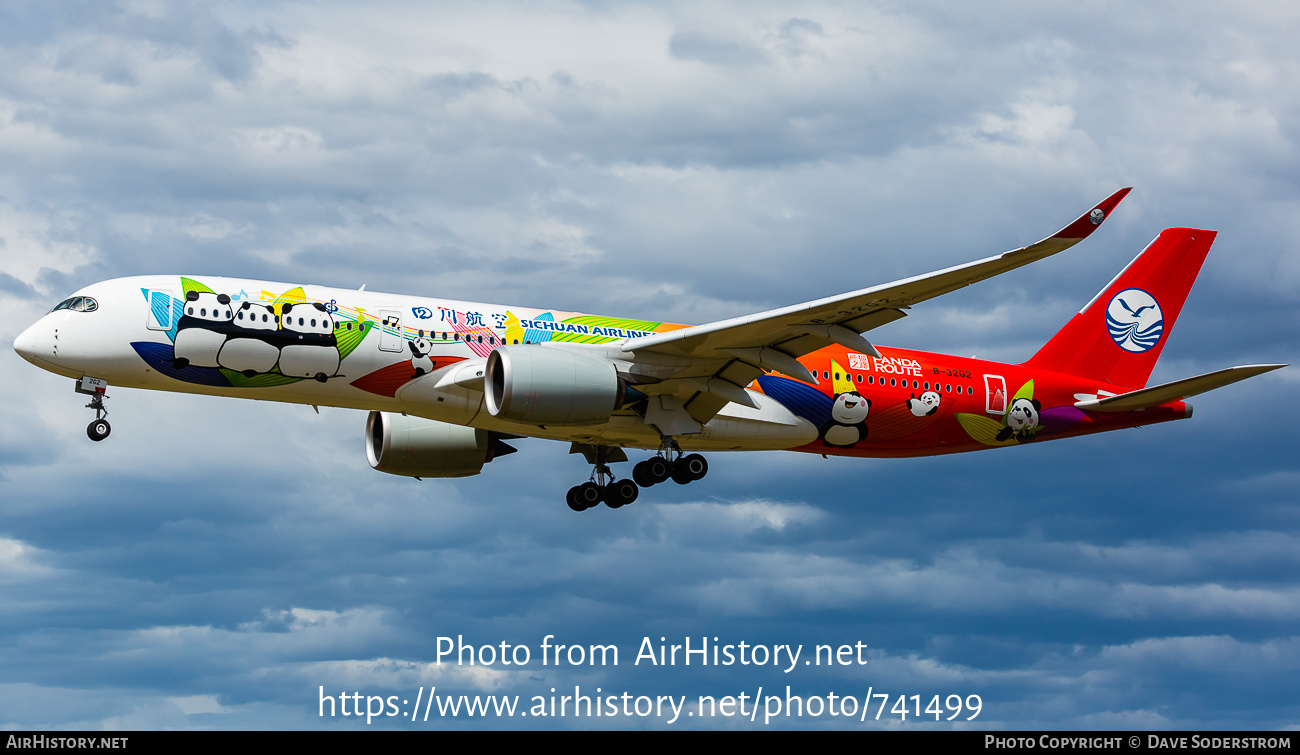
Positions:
{"x": 682, "y": 475}
{"x": 641, "y": 474}
{"x": 589, "y": 494}
{"x": 657, "y": 469}
{"x": 98, "y": 430}
{"x": 572, "y": 499}
{"x": 696, "y": 466}
{"x": 621, "y": 493}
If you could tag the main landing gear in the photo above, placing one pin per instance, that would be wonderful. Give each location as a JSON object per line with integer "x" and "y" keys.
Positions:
{"x": 98, "y": 391}
{"x": 615, "y": 495}
{"x": 683, "y": 469}
{"x": 603, "y": 488}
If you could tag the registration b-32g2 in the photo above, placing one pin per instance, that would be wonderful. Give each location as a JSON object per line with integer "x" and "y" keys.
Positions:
{"x": 447, "y": 382}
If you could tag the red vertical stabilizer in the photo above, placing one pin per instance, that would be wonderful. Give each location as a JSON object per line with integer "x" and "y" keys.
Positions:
{"x": 1119, "y": 335}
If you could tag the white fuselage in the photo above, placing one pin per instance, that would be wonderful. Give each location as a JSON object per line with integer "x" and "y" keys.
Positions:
{"x": 352, "y": 349}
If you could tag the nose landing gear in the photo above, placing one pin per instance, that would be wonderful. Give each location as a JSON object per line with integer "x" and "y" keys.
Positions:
{"x": 97, "y": 389}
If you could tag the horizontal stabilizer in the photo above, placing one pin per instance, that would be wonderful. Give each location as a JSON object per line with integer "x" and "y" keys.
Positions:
{"x": 1175, "y": 391}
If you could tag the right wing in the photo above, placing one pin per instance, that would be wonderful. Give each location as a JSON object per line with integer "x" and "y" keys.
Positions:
{"x": 716, "y": 361}
{"x": 804, "y": 328}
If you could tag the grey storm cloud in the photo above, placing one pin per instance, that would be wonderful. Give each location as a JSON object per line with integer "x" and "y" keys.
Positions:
{"x": 216, "y": 561}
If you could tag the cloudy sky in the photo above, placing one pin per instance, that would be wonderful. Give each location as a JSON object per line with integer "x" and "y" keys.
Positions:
{"x": 216, "y": 562}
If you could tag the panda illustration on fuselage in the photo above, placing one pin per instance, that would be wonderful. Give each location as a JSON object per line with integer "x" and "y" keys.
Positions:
{"x": 311, "y": 348}
{"x": 253, "y": 346}
{"x": 924, "y": 406}
{"x": 1022, "y": 420}
{"x": 202, "y": 330}
{"x": 848, "y": 422}
{"x": 420, "y": 361}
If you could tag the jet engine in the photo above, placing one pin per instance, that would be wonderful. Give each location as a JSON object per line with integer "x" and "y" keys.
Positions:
{"x": 542, "y": 385}
{"x": 415, "y": 447}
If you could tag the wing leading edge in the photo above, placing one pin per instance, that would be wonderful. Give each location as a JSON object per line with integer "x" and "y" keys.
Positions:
{"x": 737, "y": 350}
{"x": 803, "y": 328}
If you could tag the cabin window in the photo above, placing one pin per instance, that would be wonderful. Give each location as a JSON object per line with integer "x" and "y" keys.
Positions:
{"x": 948, "y": 388}
{"x": 859, "y": 378}
{"x": 893, "y": 382}
{"x": 837, "y": 375}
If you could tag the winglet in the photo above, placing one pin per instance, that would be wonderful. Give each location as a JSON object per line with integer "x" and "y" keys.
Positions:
{"x": 1090, "y": 220}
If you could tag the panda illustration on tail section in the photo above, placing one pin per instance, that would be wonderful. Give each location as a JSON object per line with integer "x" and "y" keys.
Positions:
{"x": 1022, "y": 420}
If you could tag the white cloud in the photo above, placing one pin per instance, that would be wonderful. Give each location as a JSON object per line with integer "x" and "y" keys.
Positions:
{"x": 674, "y": 162}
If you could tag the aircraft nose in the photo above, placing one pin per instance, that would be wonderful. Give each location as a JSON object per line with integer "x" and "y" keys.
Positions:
{"x": 28, "y": 343}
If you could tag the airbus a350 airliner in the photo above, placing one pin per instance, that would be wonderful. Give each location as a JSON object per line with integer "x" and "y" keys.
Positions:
{"x": 447, "y": 382}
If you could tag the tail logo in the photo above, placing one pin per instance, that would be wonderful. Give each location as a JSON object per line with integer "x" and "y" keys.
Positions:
{"x": 1096, "y": 216}
{"x": 1134, "y": 320}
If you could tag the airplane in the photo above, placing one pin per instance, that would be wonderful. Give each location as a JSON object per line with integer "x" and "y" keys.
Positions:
{"x": 447, "y": 382}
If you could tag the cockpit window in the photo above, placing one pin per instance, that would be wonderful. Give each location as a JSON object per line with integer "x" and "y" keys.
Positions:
{"x": 78, "y": 304}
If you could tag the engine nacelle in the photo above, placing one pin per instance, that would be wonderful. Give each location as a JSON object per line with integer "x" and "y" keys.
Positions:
{"x": 542, "y": 385}
{"x": 416, "y": 447}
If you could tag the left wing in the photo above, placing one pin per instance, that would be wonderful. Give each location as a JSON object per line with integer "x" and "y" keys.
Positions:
{"x": 727, "y": 355}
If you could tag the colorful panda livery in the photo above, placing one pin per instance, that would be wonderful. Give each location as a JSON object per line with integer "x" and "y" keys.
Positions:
{"x": 311, "y": 348}
{"x": 253, "y": 346}
{"x": 1022, "y": 420}
{"x": 848, "y": 423}
{"x": 420, "y": 361}
{"x": 202, "y": 329}
{"x": 926, "y": 405}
